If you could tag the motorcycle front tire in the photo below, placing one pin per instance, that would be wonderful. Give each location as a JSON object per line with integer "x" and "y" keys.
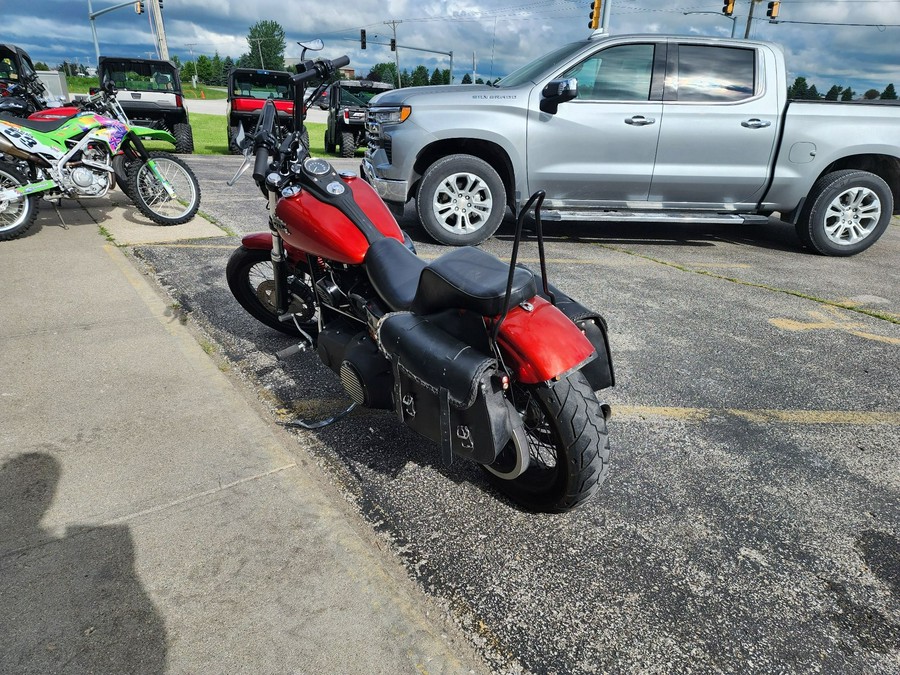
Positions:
{"x": 16, "y": 217}
{"x": 568, "y": 447}
{"x": 151, "y": 198}
{"x": 250, "y": 277}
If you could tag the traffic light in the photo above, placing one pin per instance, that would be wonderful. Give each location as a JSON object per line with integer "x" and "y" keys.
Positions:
{"x": 594, "y": 23}
{"x": 772, "y": 12}
{"x": 139, "y": 7}
{"x": 362, "y": 38}
{"x": 728, "y": 8}
{"x": 393, "y": 44}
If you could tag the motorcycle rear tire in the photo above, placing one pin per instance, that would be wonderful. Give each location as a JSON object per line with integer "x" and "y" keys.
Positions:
{"x": 146, "y": 192}
{"x": 247, "y": 270}
{"x": 17, "y": 217}
{"x": 568, "y": 447}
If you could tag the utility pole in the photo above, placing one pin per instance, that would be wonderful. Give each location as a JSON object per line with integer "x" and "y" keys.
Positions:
{"x": 393, "y": 24}
{"x": 156, "y": 13}
{"x": 750, "y": 17}
{"x": 194, "y": 63}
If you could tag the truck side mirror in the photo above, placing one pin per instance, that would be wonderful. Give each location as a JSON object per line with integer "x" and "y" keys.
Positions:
{"x": 556, "y": 92}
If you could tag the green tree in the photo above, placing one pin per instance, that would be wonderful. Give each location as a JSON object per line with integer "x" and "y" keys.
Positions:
{"x": 847, "y": 94}
{"x": 833, "y": 93}
{"x": 871, "y": 94}
{"x": 813, "y": 93}
{"x": 446, "y": 75}
{"x": 266, "y": 44}
{"x": 40, "y": 65}
{"x": 889, "y": 93}
{"x": 436, "y": 77}
{"x": 227, "y": 65}
{"x": 799, "y": 89}
{"x": 188, "y": 70}
{"x": 405, "y": 78}
{"x": 467, "y": 79}
{"x": 204, "y": 69}
{"x": 216, "y": 65}
{"x": 383, "y": 72}
{"x": 419, "y": 76}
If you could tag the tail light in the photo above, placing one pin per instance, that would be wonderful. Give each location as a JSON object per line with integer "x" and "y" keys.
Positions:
{"x": 346, "y": 115}
{"x": 179, "y": 101}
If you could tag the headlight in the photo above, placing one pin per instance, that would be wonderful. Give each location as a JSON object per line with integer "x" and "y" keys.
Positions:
{"x": 394, "y": 115}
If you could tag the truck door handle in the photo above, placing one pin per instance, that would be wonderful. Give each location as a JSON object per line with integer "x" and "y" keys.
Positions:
{"x": 640, "y": 121}
{"x": 756, "y": 123}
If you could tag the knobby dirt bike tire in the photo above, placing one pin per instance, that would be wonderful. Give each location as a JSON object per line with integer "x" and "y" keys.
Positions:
{"x": 10, "y": 176}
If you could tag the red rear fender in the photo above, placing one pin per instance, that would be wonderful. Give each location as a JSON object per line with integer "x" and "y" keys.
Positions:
{"x": 543, "y": 344}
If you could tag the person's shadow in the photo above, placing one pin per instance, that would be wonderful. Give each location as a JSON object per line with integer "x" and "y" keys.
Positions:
{"x": 72, "y": 603}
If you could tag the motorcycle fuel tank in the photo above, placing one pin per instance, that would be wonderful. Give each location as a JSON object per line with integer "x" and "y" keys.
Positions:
{"x": 308, "y": 224}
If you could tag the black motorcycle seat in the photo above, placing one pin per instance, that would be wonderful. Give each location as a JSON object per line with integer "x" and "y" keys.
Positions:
{"x": 36, "y": 125}
{"x": 468, "y": 278}
{"x": 394, "y": 272}
{"x": 465, "y": 278}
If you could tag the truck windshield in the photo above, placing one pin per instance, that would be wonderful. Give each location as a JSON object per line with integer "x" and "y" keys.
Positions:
{"x": 534, "y": 71}
{"x": 137, "y": 76}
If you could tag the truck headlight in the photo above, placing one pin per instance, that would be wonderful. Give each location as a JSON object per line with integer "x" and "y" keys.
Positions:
{"x": 394, "y": 115}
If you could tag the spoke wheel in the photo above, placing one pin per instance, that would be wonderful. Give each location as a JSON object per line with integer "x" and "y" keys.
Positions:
{"x": 16, "y": 215}
{"x": 251, "y": 278}
{"x": 563, "y": 456}
{"x": 149, "y": 193}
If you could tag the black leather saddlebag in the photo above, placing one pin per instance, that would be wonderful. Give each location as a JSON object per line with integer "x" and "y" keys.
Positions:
{"x": 445, "y": 389}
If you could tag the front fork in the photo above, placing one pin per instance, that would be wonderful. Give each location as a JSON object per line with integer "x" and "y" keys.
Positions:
{"x": 141, "y": 152}
{"x": 279, "y": 267}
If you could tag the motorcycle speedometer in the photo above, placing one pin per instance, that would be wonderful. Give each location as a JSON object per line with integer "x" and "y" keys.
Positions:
{"x": 316, "y": 166}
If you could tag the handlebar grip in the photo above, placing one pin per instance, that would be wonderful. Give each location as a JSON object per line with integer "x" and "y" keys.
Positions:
{"x": 266, "y": 122}
{"x": 261, "y": 165}
{"x": 340, "y": 62}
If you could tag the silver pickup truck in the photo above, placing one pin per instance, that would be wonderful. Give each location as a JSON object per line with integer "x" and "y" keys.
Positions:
{"x": 639, "y": 128}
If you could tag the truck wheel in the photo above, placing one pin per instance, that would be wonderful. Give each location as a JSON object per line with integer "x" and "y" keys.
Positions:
{"x": 304, "y": 137}
{"x": 348, "y": 144}
{"x": 184, "y": 139}
{"x": 461, "y": 200}
{"x": 846, "y": 212}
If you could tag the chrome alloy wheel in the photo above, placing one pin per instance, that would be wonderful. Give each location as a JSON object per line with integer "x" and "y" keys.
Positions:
{"x": 462, "y": 203}
{"x": 852, "y": 216}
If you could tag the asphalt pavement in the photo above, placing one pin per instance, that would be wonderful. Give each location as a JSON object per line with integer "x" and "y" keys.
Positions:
{"x": 750, "y": 522}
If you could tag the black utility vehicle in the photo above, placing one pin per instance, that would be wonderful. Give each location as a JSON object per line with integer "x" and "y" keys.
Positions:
{"x": 347, "y": 108}
{"x": 149, "y": 91}
{"x": 248, "y": 91}
{"x": 21, "y": 92}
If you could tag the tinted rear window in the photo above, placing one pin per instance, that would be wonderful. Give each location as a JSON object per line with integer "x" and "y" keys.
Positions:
{"x": 715, "y": 74}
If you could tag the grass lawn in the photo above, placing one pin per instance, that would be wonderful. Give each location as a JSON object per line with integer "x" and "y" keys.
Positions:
{"x": 211, "y": 137}
{"x": 82, "y": 85}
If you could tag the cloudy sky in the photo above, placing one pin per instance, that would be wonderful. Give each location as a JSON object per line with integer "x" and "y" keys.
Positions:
{"x": 859, "y": 46}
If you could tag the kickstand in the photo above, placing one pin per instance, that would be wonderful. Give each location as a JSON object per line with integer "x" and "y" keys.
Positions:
{"x": 56, "y": 205}
{"x": 318, "y": 424}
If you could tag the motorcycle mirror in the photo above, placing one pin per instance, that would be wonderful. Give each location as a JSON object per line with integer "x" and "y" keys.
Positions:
{"x": 311, "y": 45}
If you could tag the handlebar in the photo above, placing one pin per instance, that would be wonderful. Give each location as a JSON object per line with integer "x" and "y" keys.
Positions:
{"x": 320, "y": 68}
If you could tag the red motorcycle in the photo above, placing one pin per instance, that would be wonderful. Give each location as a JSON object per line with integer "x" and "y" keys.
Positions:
{"x": 484, "y": 358}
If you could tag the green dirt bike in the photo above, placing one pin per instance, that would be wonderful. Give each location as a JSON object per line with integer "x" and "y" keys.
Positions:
{"x": 84, "y": 156}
